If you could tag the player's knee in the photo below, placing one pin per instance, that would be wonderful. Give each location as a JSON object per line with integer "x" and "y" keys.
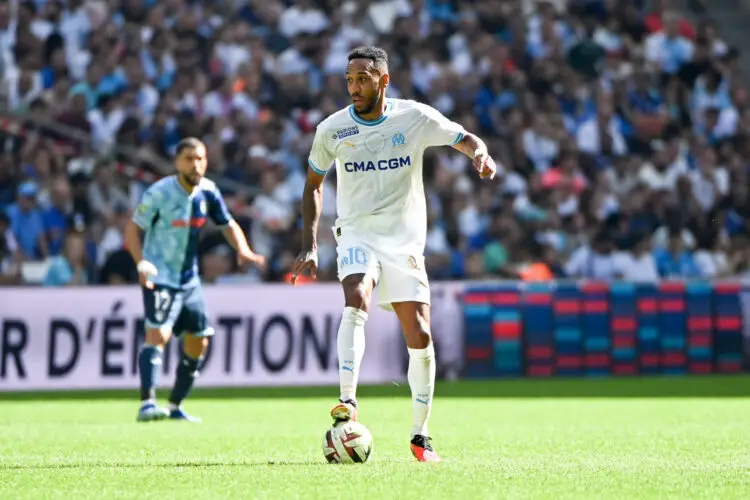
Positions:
{"x": 419, "y": 338}
{"x": 357, "y": 294}
{"x": 195, "y": 347}
{"x": 353, "y": 315}
{"x": 157, "y": 336}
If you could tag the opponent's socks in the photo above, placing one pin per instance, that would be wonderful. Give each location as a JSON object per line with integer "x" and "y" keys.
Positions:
{"x": 187, "y": 372}
{"x": 421, "y": 376}
{"x": 149, "y": 365}
{"x": 351, "y": 347}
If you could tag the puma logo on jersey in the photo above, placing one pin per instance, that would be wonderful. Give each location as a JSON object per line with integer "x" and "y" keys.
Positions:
{"x": 349, "y": 144}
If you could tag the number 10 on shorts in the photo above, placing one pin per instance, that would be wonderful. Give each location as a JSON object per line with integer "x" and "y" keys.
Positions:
{"x": 354, "y": 256}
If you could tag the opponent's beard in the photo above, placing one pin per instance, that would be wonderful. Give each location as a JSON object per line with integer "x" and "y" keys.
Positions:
{"x": 189, "y": 181}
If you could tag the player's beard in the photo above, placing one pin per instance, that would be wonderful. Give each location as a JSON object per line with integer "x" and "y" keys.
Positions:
{"x": 190, "y": 181}
{"x": 371, "y": 106}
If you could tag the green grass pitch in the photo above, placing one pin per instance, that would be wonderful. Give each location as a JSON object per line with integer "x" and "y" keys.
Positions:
{"x": 634, "y": 438}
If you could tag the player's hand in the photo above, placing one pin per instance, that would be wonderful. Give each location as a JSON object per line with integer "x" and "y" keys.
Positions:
{"x": 305, "y": 260}
{"x": 146, "y": 273}
{"x": 253, "y": 258}
{"x": 484, "y": 164}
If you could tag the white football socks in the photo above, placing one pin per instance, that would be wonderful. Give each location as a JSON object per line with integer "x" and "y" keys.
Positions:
{"x": 421, "y": 376}
{"x": 351, "y": 348}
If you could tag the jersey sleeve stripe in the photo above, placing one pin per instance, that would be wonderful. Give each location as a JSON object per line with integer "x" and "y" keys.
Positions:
{"x": 315, "y": 169}
{"x": 458, "y": 139}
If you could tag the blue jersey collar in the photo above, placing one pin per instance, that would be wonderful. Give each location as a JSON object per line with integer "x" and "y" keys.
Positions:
{"x": 370, "y": 123}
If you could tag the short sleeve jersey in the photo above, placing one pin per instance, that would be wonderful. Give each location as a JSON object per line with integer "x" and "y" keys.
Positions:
{"x": 380, "y": 193}
{"x": 172, "y": 219}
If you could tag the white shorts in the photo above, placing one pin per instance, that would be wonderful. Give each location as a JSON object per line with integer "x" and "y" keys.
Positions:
{"x": 399, "y": 277}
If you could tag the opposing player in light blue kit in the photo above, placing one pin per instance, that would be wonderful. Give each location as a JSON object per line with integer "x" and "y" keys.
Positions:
{"x": 376, "y": 146}
{"x": 170, "y": 217}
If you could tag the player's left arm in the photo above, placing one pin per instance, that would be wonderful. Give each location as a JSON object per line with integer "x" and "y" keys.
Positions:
{"x": 475, "y": 148}
{"x": 236, "y": 237}
{"x": 233, "y": 233}
{"x": 440, "y": 131}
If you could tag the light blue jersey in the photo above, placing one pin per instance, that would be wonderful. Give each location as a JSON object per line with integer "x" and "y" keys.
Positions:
{"x": 171, "y": 219}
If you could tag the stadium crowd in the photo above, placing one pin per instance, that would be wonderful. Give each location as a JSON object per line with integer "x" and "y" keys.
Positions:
{"x": 622, "y": 128}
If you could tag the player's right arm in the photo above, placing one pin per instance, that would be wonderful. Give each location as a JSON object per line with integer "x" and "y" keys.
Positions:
{"x": 143, "y": 220}
{"x": 312, "y": 203}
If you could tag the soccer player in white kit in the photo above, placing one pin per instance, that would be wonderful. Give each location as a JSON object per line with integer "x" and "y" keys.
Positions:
{"x": 377, "y": 146}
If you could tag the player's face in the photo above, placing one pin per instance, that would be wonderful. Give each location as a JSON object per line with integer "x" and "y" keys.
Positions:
{"x": 191, "y": 165}
{"x": 364, "y": 84}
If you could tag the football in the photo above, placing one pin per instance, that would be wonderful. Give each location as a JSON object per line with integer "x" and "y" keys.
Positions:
{"x": 347, "y": 443}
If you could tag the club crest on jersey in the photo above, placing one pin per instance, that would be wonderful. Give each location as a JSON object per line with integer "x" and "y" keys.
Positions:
{"x": 398, "y": 140}
{"x": 346, "y": 132}
{"x": 375, "y": 142}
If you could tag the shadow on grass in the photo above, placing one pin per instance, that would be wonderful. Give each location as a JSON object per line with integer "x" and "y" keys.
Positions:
{"x": 173, "y": 465}
{"x": 710, "y": 386}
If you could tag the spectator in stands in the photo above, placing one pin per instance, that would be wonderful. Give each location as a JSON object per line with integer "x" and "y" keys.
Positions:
{"x": 74, "y": 115}
{"x": 709, "y": 181}
{"x": 711, "y": 257}
{"x": 83, "y": 213}
{"x": 675, "y": 262}
{"x": 272, "y": 215}
{"x": 71, "y": 267}
{"x": 668, "y": 49}
{"x": 657, "y": 19}
{"x": 540, "y": 143}
{"x": 10, "y": 256}
{"x": 7, "y": 182}
{"x": 587, "y": 55}
{"x": 601, "y": 134}
{"x": 113, "y": 261}
{"x": 105, "y": 195}
{"x": 644, "y": 110}
{"x": 27, "y": 223}
{"x": 639, "y": 264}
{"x": 113, "y": 238}
{"x": 599, "y": 110}
{"x": 118, "y": 269}
{"x": 595, "y": 261}
{"x": 567, "y": 176}
{"x": 57, "y": 216}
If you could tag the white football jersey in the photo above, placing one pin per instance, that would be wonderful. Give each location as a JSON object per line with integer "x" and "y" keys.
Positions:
{"x": 380, "y": 193}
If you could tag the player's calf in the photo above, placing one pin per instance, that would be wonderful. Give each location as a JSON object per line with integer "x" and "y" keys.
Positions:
{"x": 149, "y": 366}
{"x": 415, "y": 322}
{"x": 193, "y": 350}
{"x": 350, "y": 343}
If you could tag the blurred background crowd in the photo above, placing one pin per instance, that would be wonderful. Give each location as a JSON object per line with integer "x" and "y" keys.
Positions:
{"x": 623, "y": 128}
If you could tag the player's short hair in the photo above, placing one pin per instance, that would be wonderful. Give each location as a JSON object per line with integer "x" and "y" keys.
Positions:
{"x": 188, "y": 143}
{"x": 378, "y": 56}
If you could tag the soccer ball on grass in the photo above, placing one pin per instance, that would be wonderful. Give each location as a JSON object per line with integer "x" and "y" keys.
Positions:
{"x": 347, "y": 443}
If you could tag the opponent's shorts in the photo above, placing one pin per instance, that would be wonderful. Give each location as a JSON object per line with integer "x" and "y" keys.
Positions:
{"x": 399, "y": 277}
{"x": 177, "y": 310}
